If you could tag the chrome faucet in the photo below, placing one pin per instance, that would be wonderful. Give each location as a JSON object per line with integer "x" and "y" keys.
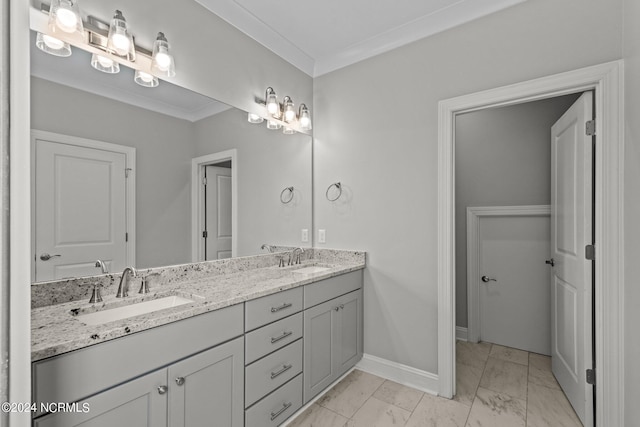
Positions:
{"x": 102, "y": 266}
{"x": 123, "y": 291}
{"x": 294, "y": 256}
{"x": 267, "y": 247}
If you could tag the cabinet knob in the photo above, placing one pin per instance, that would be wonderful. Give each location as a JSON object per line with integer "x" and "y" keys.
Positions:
{"x": 336, "y": 308}
{"x": 162, "y": 389}
{"x": 180, "y": 380}
{"x": 341, "y": 306}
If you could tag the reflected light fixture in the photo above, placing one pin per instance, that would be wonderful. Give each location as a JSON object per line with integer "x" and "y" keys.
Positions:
{"x": 120, "y": 40}
{"x": 272, "y": 124}
{"x": 64, "y": 15}
{"x": 288, "y": 131}
{"x": 146, "y": 79}
{"x": 254, "y": 118}
{"x": 272, "y": 103}
{"x": 104, "y": 64}
{"x": 161, "y": 60}
{"x": 52, "y": 45}
{"x": 289, "y": 111}
{"x": 304, "y": 117}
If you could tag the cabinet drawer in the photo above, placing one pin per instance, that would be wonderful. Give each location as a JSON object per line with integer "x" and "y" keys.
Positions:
{"x": 277, "y": 407}
{"x": 272, "y": 337}
{"x": 271, "y": 372}
{"x": 324, "y": 290}
{"x": 272, "y": 307}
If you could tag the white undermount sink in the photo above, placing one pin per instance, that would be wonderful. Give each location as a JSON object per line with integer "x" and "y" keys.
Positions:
{"x": 123, "y": 312}
{"x": 312, "y": 269}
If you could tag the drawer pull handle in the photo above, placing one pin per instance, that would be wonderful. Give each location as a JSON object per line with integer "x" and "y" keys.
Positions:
{"x": 281, "y": 337}
{"x": 282, "y": 307}
{"x": 180, "y": 380}
{"x": 284, "y": 369}
{"x": 285, "y": 406}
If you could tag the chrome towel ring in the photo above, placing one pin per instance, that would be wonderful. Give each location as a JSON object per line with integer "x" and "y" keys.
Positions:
{"x": 286, "y": 195}
{"x": 338, "y": 187}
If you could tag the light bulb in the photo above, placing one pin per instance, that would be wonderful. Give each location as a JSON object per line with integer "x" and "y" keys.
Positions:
{"x": 289, "y": 115}
{"x": 272, "y": 124}
{"x": 52, "y": 42}
{"x": 66, "y": 19}
{"x": 145, "y": 77}
{"x": 289, "y": 112}
{"x": 305, "y": 122}
{"x": 121, "y": 44}
{"x": 272, "y": 106}
{"x": 163, "y": 61}
{"x": 105, "y": 62}
{"x": 254, "y": 118}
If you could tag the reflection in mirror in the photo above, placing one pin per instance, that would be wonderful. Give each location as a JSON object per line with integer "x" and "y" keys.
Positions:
{"x": 113, "y": 165}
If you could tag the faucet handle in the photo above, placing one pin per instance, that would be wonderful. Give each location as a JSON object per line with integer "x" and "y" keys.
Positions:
{"x": 144, "y": 286}
{"x": 96, "y": 296}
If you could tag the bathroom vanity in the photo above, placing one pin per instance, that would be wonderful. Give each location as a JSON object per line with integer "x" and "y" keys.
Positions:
{"x": 251, "y": 350}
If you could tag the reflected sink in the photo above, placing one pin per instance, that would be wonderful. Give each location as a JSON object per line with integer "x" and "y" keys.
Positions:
{"x": 313, "y": 269}
{"x": 124, "y": 312}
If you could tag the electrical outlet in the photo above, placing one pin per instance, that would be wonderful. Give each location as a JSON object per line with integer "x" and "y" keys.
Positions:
{"x": 305, "y": 235}
{"x": 322, "y": 236}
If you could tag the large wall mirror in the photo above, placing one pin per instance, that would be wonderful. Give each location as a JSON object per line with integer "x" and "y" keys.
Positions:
{"x": 113, "y": 170}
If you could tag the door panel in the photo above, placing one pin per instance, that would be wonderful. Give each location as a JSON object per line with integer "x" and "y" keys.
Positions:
{"x": 320, "y": 329}
{"x": 218, "y": 212}
{"x": 571, "y": 231}
{"x": 80, "y": 210}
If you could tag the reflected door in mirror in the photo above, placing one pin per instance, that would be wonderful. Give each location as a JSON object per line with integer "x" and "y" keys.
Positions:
{"x": 218, "y": 212}
{"x": 80, "y": 210}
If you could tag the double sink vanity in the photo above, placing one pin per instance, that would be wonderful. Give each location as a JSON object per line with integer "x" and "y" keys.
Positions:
{"x": 238, "y": 342}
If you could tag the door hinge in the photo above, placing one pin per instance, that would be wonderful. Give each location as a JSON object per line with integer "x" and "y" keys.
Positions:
{"x": 205, "y": 234}
{"x": 204, "y": 180}
{"x": 126, "y": 237}
{"x": 590, "y": 252}
{"x": 590, "y": 128}
{"x": 126, "y": 172}
{"x": 591, "y": 376}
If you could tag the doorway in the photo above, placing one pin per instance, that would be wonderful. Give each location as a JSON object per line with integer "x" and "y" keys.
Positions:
{"x": 606, "y": 82}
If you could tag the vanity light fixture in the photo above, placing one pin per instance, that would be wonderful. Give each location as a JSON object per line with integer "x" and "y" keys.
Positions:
{"x": 272, "y": 124}
{"x": 254, "y": 118}
{"x": 161, "y": 60}
{"x": 146, "y": 79}
{"x": 120, "y": 40}
{"x": 104, "y": 64}
{"x": 272, "y": 102}
{"x": 289, "y": 111}
{"x": 64, "y": 16}
{"x": 52, "y": 45}
{"x": 288, "y": 131}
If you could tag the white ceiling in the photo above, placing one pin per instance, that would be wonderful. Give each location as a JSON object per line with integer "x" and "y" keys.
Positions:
{"x": 322, "y": 36}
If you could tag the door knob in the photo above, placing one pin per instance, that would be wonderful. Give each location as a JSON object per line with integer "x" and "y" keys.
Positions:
{"x": 551, "y": 262}
{"x": 487, "y": 279}
{"x": 46, "y": 257}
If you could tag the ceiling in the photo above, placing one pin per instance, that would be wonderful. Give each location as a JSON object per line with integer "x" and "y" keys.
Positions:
{"x": 322, "y": 36}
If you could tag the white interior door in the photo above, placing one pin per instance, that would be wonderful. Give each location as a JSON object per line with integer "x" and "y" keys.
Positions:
{"x": 80, "y": 210}
{"x": 515, "y": 293}
{"x": 218, "y": 212}
{"x": 571, "y": 231}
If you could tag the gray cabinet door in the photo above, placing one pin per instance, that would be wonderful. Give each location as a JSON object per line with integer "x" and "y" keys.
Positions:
{"x": 349, "y": 348}
{"x": 320, "y": 330}
{"x": 208, "y": 389}
{"x": 136, "y": 403}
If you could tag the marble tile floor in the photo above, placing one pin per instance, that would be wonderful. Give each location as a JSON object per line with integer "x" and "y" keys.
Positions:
{"x": 496, "y": 386}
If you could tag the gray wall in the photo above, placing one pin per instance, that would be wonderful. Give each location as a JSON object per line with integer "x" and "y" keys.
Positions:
{"x": 632, "y": 210}
{"x": 376, "y": 131}
{"x": 503, "y": 158}
{"x": 164, "y": 149}
{"x": 268, "y": 161}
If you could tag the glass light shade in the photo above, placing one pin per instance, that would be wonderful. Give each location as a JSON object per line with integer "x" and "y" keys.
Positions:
{"x": 52, "y": 45}
{"x": 64, "y": 16}
{"x": 304, "y": 118}
{"x": 146, "y": 79}
{"x": 104, "y": 64}
{"x": 161, "y": 60}
{"x": 272, "y": 124}
{"x": 288, "y": 131}
{"x": 272, "y": 103}
{"x": 120, "y": 40}
{"x": 289, "y": 111}
{"x": 254, "y": 118}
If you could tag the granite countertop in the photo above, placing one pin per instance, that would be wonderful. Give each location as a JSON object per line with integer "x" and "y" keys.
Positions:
{"x": 55, "y": 329}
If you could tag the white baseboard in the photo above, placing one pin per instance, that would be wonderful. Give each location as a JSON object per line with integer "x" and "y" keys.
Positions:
{"x": 461, "y": 333}
{"x": 403, "y": 374}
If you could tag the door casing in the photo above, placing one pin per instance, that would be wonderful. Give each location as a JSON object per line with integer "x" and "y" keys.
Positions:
{"x": 606, "y": 80}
